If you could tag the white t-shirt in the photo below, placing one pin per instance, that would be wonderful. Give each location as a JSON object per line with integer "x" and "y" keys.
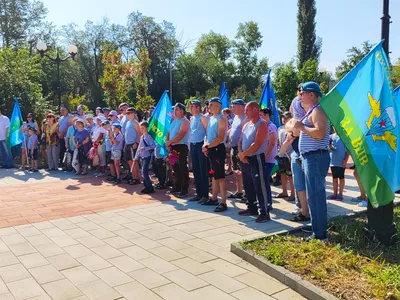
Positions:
{"x": 97, "y": 131}
{"x": 4, "y": 125}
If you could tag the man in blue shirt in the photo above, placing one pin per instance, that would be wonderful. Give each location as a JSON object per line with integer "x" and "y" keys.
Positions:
{"x": 63, "y": 124}
{"x": 198, "y": 126}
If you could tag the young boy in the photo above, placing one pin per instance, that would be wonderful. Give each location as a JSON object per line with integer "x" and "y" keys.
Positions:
{"x": 339, "y": 156}
{"x": 33, "y": 145}
{"x": 145, "y": 151}
{"x": 107, "y": 142}
{"x": 117, "y": 141}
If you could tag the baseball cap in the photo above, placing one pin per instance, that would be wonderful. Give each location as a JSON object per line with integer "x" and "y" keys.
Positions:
{"x": 105, "y": 122}
{"x": 215, "y": 100}
{"x": 113, "y": 113}
{"x": 122, "y": 104}
{"x": 238, "y": 102}
{"x": 195, "y": 101}
{"x": 75, "y": 113}
{"x": 117, "y": 126}
{"x": 312, "y": 86}
{"x": 32, "y": 128}
{"x": 131, "y": 110}
{"x": 80, "y": 120}
{"x": 89, "y": 116}
{"x": 106, "y": 109}
{"x": 181, "y": 106}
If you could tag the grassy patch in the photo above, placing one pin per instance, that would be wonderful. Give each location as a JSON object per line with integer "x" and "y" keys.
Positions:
{"x": 347, "y": 267}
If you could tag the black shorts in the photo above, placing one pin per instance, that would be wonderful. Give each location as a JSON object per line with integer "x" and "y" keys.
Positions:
{"x": 284, "y": 166}
{"x": 108, "y": 158}
{"x": 337, "y": 172}
{"x": 129, "y": 153}
{"x": 33, "y": 154}
{"x": 217, "y": 157}
{"x": 235, "y": 159}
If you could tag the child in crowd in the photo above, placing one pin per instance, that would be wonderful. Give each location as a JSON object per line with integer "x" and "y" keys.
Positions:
{"x": 159, "y": 167}
{"x": 117, "y": 142}
{"x": 69, "y": 145}
{"x": 145, "y": 151}
{"x": 107, "y": 144}
{"x": 339, "y": 156}
{"x": 33, "y": 145}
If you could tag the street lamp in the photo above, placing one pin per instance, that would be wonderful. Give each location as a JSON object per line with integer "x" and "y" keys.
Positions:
{"x": 72, "y": 51}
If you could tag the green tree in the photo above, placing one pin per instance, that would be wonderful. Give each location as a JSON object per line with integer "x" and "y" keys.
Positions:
{"x": 395, "y": 73}
{"x": 159, "y": 39}
{"x": 308, "y": 45}
{"x": 354, "y": 56}
{"x": 20, "y": 20}
{"x": 19, "y": 76}
{"x": 249, "y": 68}
{"x": 285, "y": 82}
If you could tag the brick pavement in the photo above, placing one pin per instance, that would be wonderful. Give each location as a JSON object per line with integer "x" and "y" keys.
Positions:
{"x": 82, "y": 239}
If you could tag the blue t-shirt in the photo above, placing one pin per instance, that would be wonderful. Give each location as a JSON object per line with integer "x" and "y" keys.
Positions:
{"x": 120, "y": 139}
{"x": 69, "y": 135}
{"x": 33, "y": 139}
{"x": 338, "y": 152}
{"x": 80, "y": 136}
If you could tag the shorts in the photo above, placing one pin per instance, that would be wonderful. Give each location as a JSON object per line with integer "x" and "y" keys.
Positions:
{"x": 235, "y": 159}
{"x": 116, "y": 155}
{"x": 337, "y": 172}
{"x": 217, "y": 157}
{"x": 33, "y": 154}
{"x": 129, "y": 153}
{"x": 284, "y": 166}
{"x": 108, "y": 158}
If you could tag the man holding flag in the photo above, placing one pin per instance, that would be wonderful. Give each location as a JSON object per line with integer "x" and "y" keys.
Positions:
{"x": 4, "y": 148}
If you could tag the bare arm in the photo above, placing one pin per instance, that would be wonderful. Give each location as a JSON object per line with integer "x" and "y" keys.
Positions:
{"x": 272, "y": 140}
{"x": 261, "y": 135}
{"x": 319, "y": 121}
{"x": 138, "y": 134}
{"x": 222, "y": 125}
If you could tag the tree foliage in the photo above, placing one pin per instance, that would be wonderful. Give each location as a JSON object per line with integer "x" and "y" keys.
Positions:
{"x": 354, "y": 56}
{"x": 19, "y": 76}
{"x": 285, "y": 82}
{"x": 308, "y": 45}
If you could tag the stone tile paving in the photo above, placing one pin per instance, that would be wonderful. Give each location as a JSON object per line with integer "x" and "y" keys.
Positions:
{"x": 164, "y": 250}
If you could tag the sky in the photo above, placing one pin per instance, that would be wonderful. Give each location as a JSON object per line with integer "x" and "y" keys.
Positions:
{"x": 341, "y": 24}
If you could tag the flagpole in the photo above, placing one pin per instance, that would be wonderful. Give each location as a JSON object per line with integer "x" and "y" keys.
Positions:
{"x": 380, "y": 225}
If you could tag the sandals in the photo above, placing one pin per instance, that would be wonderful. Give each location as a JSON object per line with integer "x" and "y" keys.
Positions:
{"x": 211, "y": 202}
{"x": 301, "y": 218}
{"x": 281, "y": 195}
{"x": 235, "y": 196}
{"x": 221, "y": 207}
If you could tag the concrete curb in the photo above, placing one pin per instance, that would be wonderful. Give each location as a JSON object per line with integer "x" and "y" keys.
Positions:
{"x": 295, "y": 282}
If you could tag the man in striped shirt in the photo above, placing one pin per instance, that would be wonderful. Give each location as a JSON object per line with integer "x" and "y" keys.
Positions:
{"x": 313, "y": 146}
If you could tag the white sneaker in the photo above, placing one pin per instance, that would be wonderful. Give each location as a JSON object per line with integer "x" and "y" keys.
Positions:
{"x": 296, "y": 212}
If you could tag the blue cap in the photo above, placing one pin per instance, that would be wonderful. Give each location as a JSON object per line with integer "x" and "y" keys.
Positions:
{"x": 75, "y": 113}
{"x": 238, "y": 102}
{"x": 63, "y": 106}
{"x": 181, "y": 106}
{"x": 215, "y": 100}
{"x": 195, "y": 101}
{"x": 106, "y": 109}
{"x": 312, "y": 86}
{"x": 105, "y": 122}
{"x": 117, "y": 126}
{"x": 32, "y": 128}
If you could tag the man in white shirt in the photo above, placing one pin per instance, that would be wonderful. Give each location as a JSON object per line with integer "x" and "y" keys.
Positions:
{"x": 4, "y": 150}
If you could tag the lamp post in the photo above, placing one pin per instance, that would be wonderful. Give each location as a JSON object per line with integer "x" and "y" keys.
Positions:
{"x": 72, "y": 51}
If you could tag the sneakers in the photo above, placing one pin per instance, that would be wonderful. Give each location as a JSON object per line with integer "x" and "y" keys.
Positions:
{"x": 117, "y": 181}
{"x": 182, "y": 194}
{"x": 221, "y": 207}
{"x": 296, "y": 211}
{"x": 248, "y": 212}
{"x": 195, "y": 199}
{"x": 263, "y": 219}
{"x": 203, "y": 200}
{"x": 313, "y": 237}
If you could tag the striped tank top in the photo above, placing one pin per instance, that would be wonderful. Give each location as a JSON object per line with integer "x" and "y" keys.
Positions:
{"x": 307, "y": 143}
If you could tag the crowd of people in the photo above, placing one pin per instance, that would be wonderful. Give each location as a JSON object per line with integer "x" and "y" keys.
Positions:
{"x": 212, "y": 142}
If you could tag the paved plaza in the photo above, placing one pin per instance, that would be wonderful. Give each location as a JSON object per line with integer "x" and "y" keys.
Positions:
{"x": 65, "y": 237}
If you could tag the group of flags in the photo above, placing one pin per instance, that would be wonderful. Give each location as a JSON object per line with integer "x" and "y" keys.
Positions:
{"x": 363, "y": 108}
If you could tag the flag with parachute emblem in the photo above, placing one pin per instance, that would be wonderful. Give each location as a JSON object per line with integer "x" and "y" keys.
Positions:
{"x": 268, "y": 100}
{"x": 365, "y": 114}
{"x": 160, "y": 122}
{"x": 15, "y": 137}
{"x": 396, "y": 93}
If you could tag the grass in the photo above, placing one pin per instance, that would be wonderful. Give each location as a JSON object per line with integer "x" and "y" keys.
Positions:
{"x": 347, "y": 267}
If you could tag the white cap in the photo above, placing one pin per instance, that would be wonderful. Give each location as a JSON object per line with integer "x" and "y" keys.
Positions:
{"x": 80, "y": 120}
{"x": 89, "y": 116}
